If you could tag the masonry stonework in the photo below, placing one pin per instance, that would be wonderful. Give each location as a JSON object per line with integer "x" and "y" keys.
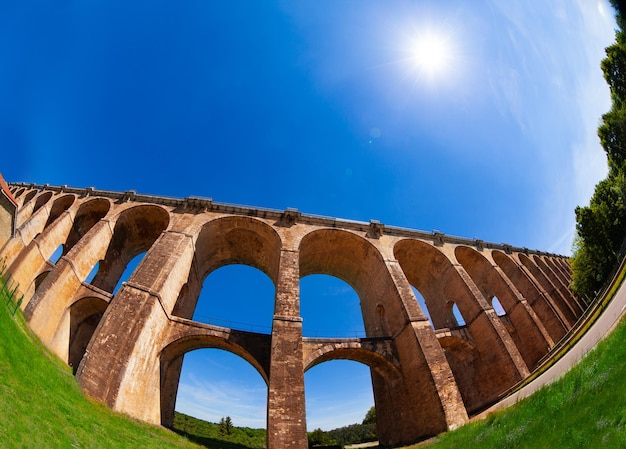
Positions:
{"x": 126, "y": 349}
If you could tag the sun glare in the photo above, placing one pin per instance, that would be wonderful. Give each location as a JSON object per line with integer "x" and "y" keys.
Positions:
{"x": 432, "y": 54}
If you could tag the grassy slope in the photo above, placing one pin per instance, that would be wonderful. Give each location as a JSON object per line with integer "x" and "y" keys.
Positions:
{"x": 585, "y": 409}
{"x": 41, "y": 405}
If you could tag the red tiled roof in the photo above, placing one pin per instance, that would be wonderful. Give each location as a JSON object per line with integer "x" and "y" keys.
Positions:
{"x": 5, "y": 189}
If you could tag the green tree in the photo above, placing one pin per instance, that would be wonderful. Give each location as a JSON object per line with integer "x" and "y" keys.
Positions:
{"x": 370, "y": 416}
{"x": 601, "y": 229}
{"x": 319, "y": 438}
{"x": 601, "y": 226}
{"x": 226, "y": 426}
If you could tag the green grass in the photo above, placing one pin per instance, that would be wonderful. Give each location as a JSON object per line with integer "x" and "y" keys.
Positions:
{"x": 41, "y": 405}
{"x": 584, "y": 409}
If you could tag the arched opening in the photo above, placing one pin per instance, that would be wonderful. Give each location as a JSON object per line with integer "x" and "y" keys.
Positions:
{"x": 85, "y": 314}
{"x": 92, "y": 273}
{"x": 251, "y": 251}
{"x": 87, "y": 216}
{"x": 457, "y": 315}
{"x": 338, "y": 393}
{"x": 422, "y": 304}
{"x": 550, "y": 317}
{"x": 59, "y": 206}
{"x": 497, "y": 307}
{"x": 330, "y": 307}
{"x": 30, "y": 195}
{"x": 236, "y": 296}
{"x": 39, "y": 279}
{"x": 471, "y": 354}
{"x": 128, "y": 271}
{"x": 215, "y": 383}
{"x": 135, "y": 232}
{"x": 56, "y": 255}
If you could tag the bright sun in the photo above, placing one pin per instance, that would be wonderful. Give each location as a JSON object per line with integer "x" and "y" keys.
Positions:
{"x": 432, "y": 54}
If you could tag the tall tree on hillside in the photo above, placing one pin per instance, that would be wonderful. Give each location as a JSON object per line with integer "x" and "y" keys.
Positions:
{"x": 601, "y": 226}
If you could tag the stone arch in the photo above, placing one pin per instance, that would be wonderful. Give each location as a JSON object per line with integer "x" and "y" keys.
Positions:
{"x": 550, "y": 317}
{"x": 383, "y": 372}
{"x": 357, "y": 262}
{"x": 432, "y": 273}
{"x": 559, "y": 285}
{"x": 554, "y": 295}
{"x": 489, "y": 369}
{"x": 18, "y": 192}
{"x": 226, "y": 241}
{"x": 171, "y": 359}
{"x": 455, "y": 315}
{"x": 85, "y": 315}
{"x": 32, "y": 204}
{"x": 87, "y": 215}
{"x": 59, "y": 206}
{"x": 52, "y": 240}
{"x": 522, "y": 328}
{"x": 136, "y": 229}
{"x": 39, "y": 279}
{"x": 347, "y": 351}
{"x": 30, "y": 195}
{"x": 549, "y": 261}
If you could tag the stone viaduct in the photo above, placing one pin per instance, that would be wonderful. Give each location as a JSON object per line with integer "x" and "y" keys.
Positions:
{"x": 127, "y": 349}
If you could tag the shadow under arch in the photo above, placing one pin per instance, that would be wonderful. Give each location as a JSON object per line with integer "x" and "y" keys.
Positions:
{"x": 524, "y": 331}
{"x": 43, "y": 199}
{"x": 557, "y": 298}
{"x": 18, "y": 192}
{"x": 346, "y": 350}
{"x": 87, "y": 215}
{"x": 33, "y": 202}
{"x": 136, "y": 229}
{"x": 545, "y": 311}
{"x": 227, "y": 241}
{"x": 172, "y": 355}
{"x": 85, "y": 315}
{"x": 59, "y": 206}
{"x": 483, "y": 367}
{"x": 429, "y": 270}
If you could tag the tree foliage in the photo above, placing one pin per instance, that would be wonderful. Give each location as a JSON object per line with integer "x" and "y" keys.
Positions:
{"x": 226, "y": 426}
{"x": 601, "y": 226}
{"x": 370, "y": 416}
{"x": 352, "y": 434}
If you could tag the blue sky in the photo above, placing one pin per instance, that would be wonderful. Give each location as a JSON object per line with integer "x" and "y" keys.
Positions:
{"x": 336, "y": 108}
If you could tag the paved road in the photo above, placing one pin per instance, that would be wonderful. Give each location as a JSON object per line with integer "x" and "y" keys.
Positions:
{"x": 603, "y": 325}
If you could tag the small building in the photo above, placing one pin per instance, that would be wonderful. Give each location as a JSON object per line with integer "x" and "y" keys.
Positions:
{"x": 8, "y": 213}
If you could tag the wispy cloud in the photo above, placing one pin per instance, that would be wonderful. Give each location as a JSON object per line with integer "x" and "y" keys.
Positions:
{"x": 212, "y": 400}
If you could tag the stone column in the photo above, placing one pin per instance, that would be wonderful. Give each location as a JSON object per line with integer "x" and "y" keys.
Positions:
{"x": 121, "y": 365}
{"x": 432, "y": 394}
{"x": 46, "y": 311}
{"x": 25, "y": 234}
{"x": 30, "y": 261}
{"x": 286, "y": 411}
